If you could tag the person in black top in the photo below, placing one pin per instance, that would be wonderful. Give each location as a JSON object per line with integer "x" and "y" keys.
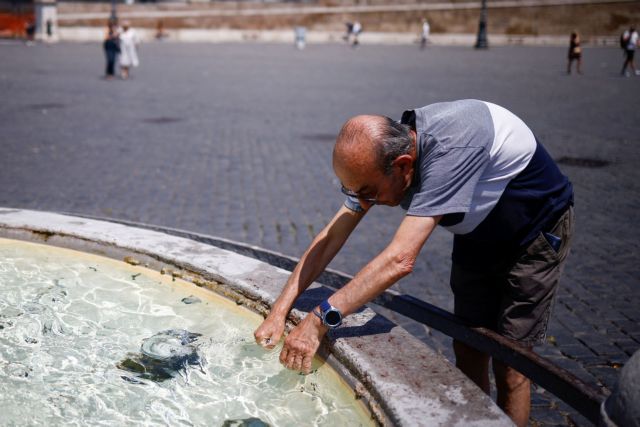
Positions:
{"x": 111, "y": 49}
{"x": 575, "y": 53}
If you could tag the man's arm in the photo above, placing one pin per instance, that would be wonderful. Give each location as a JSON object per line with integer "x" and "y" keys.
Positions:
{"x": 315, "y": 259}
{"x": 393, "y": 263}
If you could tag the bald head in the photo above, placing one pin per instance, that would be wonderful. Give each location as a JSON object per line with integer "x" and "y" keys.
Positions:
{"x": 371, "y": 143}
{"x": 358, "y": 143}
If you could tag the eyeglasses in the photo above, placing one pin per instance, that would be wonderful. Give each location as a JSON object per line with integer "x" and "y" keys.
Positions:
{"x": 346, "y": 192}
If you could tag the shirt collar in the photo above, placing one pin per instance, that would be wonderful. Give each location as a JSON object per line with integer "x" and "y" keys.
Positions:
{"x": 409, "y": 118}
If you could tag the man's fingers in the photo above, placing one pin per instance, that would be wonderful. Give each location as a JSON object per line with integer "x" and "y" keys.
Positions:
{"x": 268, "y": 334}
{"x": 291, "y": 360}
{"x": 297, "y": 363}
{"x": 306, "y": 364}
{"x": 266, "y": 339}
{"x": 259, "y": 336}
{"x": 266, "y": 342}
{"x": 300, "y": 346}
{"x": 283, "y": 355}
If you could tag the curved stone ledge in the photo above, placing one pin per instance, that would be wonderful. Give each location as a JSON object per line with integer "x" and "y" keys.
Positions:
{"x": 403, "y": 381}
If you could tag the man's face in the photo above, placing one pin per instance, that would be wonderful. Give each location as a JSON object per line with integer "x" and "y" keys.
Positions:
{"x": 371, "y": 186}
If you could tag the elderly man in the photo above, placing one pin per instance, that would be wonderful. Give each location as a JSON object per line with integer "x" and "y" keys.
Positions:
{"x": 476, "y": 169}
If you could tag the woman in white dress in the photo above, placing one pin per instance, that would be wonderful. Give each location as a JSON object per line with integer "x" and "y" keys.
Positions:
{"x": 128, "y": 54}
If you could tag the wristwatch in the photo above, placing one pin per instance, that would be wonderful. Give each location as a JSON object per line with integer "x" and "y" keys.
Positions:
{"x": 331, "y": 317}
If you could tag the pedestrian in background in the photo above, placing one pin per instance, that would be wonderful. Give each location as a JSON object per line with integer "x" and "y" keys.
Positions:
{"x": 128, "y": 50}
{"x": 575, "y": 53}
{"x": 111, "y": 47}
{"x": 160, "y": 33}
{"x": 356, "y": 30}
{"x": 425, "y": 34}
{"x": 30, "y": 31}
{"x": 300, "y": 37}
{"x": 349, "y": 30}
{"x": 629, "y": 41}
{"x": 49, "y": 25}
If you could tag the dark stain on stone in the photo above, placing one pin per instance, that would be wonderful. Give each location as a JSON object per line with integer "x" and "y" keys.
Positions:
{"x": 44, "y": 235}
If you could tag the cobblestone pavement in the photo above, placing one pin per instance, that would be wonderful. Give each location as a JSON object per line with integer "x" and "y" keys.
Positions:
{"x": 235, "y": 141}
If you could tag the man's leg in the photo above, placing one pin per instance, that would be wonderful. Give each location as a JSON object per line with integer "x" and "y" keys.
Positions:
{"x": 514, "y": 393}
{"x": 477, "y": 303}
{"x": 473, "y": 364}
{"x": 626, "y": 62}
{"x": 526, "y": 307}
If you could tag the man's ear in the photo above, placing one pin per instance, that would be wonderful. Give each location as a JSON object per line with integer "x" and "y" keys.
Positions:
{"x": 404, "y": 162}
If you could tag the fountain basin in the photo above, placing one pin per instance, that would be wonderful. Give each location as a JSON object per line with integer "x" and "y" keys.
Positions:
{"x": 398, "y": 379}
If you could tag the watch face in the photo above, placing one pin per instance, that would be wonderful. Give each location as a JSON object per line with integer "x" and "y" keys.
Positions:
{"x": 333, "y": 318}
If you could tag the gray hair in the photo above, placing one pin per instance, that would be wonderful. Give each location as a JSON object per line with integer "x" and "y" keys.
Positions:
{"x": 394, "y": 141}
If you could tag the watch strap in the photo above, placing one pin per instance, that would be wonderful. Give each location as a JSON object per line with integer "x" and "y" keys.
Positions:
{"x": 325, "y": 306}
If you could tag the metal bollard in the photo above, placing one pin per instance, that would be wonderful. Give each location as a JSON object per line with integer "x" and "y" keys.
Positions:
{"x": 622, "y": 407}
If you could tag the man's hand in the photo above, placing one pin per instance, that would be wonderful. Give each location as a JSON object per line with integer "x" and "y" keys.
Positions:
{"x": 270, "y": 331}
{"x": 315, "y": 259}
{"x": 302, "y": 344}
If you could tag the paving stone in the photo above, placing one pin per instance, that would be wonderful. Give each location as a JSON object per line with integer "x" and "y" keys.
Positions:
{"x": 576, "y": 351}
{"x": 572, "y": 416}
{"x": 628, "y": 346}
{"x": 606, "y": 375}
{"x": 575, "y": 368}
{"x": 540, "y": 399}
{"x": 550, "y": 418}
{"x": 604, "y": 350}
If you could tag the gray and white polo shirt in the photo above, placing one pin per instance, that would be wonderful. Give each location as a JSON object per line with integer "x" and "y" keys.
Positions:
{"x": 482, "y": 168}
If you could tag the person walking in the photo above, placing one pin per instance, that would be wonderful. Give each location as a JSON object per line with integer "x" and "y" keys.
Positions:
{"x": 300, "y": 34}
{"x": 356, "y": 30}
{"x": 30, "y": 31}
{"x": 111, "y": 47}
{"x": 477, "y": 170}
{"x": 128, "y": 50}
{"x": 575, "y": 53}
{"x": 348, "y": 30}
{"x": 629, "y": 43}
{"x": 424, "y": 37}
